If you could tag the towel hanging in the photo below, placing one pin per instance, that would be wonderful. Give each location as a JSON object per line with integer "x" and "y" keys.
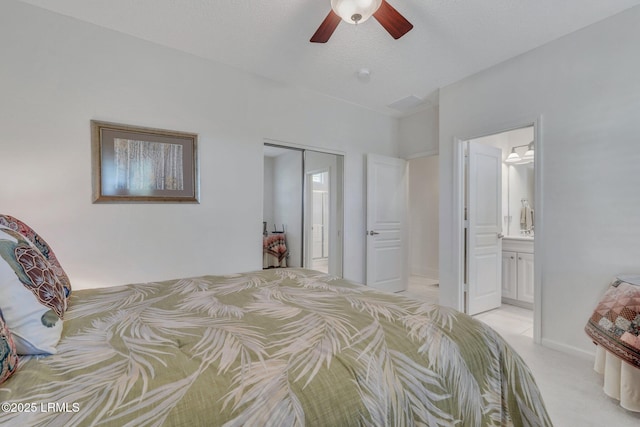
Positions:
{"x": 526, "y": 218}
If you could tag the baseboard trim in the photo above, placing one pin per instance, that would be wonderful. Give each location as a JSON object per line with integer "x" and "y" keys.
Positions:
{"x": 430, "y": 274}
{"x": 517, "y": 303}
{"x": 569, "y": 349}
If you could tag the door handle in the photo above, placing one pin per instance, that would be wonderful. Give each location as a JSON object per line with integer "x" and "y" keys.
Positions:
{"x": 373, "y": 233}
{"x": 500, "y": 235}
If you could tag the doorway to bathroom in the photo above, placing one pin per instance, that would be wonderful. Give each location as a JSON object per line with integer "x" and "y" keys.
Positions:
{"x": 500, "y": 218}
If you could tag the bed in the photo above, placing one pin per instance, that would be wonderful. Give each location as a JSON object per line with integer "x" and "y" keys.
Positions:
{"x": 275, "y": 347}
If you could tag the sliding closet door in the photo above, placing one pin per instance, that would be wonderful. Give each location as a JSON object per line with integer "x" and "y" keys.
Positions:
{"x": 323, "y": 212}
{"x": 284, "y": 187}
{"x": 303, "y": 194}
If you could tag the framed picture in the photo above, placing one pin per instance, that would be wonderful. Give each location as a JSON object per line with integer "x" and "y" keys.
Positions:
{"x": 136, "y": 164}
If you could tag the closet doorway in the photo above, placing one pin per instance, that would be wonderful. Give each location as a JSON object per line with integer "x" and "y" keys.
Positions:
{"x": 303, "y": 197}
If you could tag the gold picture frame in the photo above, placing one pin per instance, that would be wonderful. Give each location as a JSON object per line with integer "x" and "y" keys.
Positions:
{"x": 137, "y": 164}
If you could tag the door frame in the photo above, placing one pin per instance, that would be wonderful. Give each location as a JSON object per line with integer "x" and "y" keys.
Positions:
{"x": 458, "y": 212}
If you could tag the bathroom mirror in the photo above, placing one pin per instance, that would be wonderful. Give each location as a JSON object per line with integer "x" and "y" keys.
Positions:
{"x": 521, "y": 195}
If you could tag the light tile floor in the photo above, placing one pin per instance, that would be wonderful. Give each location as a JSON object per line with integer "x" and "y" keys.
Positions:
{"x": 509, "y": 320}
{"x": 320, "y": 264}
{"x": 571, "y": 389}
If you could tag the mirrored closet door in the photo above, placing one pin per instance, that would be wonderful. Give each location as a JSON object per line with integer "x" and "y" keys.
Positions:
{"x": 303, "y": 208}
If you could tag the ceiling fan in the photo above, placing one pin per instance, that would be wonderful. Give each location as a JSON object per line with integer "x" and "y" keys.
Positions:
{"x": 358, "y": 11}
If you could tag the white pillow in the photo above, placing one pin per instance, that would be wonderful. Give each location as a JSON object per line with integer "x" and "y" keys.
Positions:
{"x": 32, "y": 298}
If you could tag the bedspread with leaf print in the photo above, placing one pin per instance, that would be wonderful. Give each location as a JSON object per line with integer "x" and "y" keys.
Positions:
{"x": 282, "y": 347}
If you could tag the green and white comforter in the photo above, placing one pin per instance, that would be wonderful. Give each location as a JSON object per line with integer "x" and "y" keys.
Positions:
{"x": 279, "y": 347}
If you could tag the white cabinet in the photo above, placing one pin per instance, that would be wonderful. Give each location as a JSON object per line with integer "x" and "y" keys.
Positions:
{"x": 517, "y": 272}
{"x": 509, "y": 275}
{"x": 525, "y": 277}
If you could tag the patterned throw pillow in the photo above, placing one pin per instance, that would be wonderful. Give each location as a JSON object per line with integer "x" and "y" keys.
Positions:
{"x": 8, "y": 356}
{"x": 15, "y": 224}
{"x": 32, "y": 298}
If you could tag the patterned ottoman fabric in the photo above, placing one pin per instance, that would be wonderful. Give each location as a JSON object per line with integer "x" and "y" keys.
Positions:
{"x": 615, "y": 323}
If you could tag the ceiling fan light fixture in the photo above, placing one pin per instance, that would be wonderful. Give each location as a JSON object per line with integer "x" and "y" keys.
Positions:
{"x": 355, "y": 11}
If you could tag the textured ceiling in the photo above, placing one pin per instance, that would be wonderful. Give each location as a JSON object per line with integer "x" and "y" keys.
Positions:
{"x": 451, "y": 39}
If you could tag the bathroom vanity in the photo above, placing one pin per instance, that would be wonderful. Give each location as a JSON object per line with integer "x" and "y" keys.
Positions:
{"x": 517, "y": 271}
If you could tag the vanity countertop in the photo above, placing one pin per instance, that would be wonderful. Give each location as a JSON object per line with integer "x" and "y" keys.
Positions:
{"x": 523, "y": 238}
{"x": 518, "y": 244}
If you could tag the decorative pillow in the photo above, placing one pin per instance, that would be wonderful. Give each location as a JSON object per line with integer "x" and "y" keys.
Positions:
{"x": 8, "y": 356}
{"x": 28, "y": 232}
{"x": 32, "y": 298}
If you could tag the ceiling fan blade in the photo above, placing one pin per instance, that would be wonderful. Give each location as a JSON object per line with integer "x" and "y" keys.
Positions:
{"x": 327, "y": 28}
{"x": 392, "y": 21}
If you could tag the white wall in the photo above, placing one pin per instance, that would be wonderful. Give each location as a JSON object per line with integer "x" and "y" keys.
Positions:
{"x": 585, "y": 87}
{"x": 419, "y": 133}
{"x": 423, "y": 216}
{"x": 58, "y": 73}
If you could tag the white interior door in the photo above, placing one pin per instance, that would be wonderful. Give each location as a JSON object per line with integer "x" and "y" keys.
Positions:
{"x": 484, "y": 233}
{"x": 386, "y": 223}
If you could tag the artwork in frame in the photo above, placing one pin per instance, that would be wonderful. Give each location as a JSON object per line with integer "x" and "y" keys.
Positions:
{"x": 137, "y": 164}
